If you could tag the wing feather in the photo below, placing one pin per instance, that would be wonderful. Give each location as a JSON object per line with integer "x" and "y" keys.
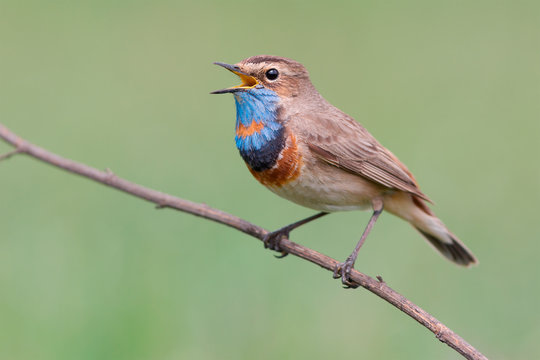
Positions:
{"x": 349, "y": 146}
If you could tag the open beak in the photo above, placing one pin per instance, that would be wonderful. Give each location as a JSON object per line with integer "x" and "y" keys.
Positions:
{"x": 248, "y": 81}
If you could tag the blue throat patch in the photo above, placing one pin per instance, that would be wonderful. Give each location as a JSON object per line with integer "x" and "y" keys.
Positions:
{"x": 259, "y": 107}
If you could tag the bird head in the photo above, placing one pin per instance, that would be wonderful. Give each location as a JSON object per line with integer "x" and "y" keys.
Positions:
{"x": 285, "y": 77}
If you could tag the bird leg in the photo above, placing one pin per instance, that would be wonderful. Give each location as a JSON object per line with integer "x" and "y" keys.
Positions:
{"x": 343, "y": 270}
{"x": 272, "y": 239}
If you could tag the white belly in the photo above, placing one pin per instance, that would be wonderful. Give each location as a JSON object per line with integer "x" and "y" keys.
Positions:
{"x": 329, "y": 189}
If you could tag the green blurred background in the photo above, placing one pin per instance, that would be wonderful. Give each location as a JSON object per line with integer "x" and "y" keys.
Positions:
{"x": 86, "y": 272}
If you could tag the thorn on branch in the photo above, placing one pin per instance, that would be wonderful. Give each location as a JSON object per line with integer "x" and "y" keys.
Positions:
{"x": 10, "y": 154}
{"x": 379, "y": 277}
{"x": 110, "y": 176}
{"x": 440, "y": 333}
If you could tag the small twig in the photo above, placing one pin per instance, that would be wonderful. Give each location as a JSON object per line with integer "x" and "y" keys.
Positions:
{"x": 10, "y": 154}
{"x": 378, "y": 287}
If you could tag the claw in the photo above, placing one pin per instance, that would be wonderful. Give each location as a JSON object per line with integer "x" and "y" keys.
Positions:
{"x": 271, "y": 241}
{"x": 343, "y": 271}
{"x": 337, "y": 271}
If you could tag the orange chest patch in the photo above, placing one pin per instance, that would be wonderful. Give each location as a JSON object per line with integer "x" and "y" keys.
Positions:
{"x": 245, "y": 131}
{"x": 286, "y": 169}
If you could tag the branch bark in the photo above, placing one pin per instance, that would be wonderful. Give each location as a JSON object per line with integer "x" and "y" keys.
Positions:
{"x": 163, "y": 200}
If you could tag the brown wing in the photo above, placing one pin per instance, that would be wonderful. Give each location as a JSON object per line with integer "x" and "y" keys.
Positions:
{"x": 347, "y": 145}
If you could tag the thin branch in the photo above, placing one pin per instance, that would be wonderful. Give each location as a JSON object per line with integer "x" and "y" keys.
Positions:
{"x": 10, "y": 154}
{"x": 163, "y": 200}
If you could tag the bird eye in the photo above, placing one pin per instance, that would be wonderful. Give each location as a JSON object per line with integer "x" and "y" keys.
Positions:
{"x": 272, "y": 74}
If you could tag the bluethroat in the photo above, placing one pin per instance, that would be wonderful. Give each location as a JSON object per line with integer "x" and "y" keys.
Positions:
{"x": 302, "y": 148}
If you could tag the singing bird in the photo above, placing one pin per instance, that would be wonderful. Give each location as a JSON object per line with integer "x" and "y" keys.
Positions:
{"x": 302, "y": 148}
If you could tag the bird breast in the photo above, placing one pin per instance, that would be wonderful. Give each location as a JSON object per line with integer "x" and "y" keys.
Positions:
{"x": 286, "y": 168}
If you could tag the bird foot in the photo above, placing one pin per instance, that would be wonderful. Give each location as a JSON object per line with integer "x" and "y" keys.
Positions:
{"x": 343, "y": 271}
{"x": 271, "y": 241}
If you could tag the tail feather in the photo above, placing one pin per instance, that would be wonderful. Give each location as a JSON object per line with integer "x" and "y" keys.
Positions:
{"x": 454, "y": 251}
{"x": 414, "y": 210}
